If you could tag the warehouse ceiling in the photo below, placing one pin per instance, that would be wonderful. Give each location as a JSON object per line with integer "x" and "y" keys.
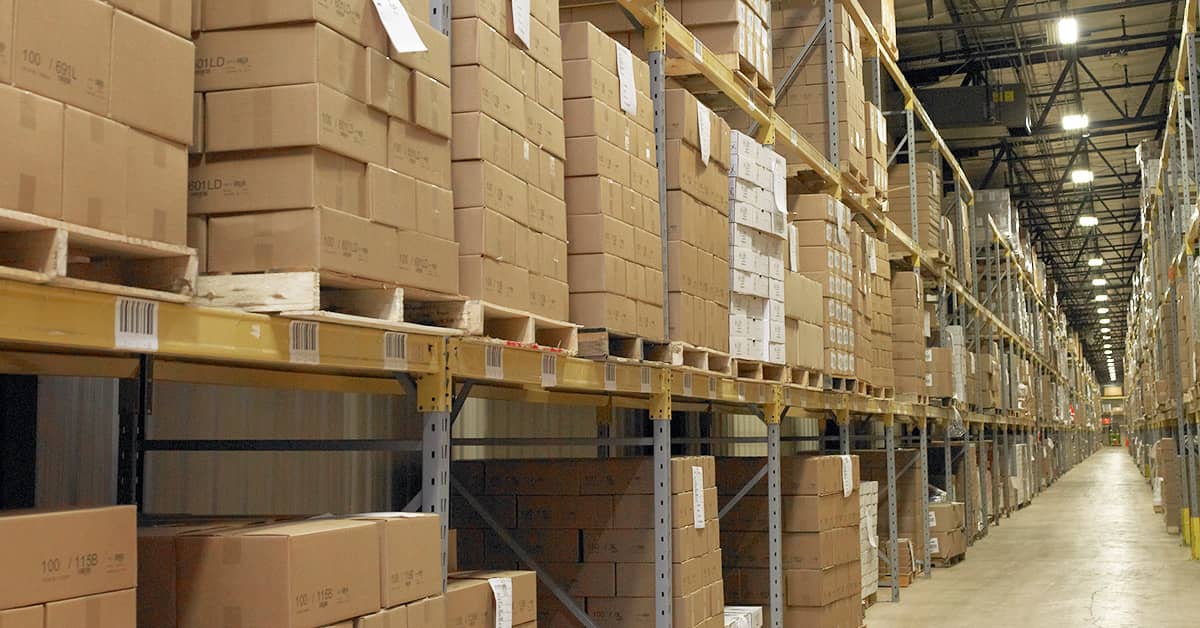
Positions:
{"x": 1118, "y": 73}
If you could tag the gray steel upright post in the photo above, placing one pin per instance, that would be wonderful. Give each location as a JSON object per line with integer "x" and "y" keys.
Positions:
{"x": 889, "y": 436}
{"x": 1192, "y": 429}
{"x": 435, "y": 475}
{"x": 663, "y": 573}
{"x": 831, "y": 86}
{"x": 983, "y": 470}
{"x": 1177, "y": 192}
{"x": 968, "y": 514}
{"x": 775, "y": 518}
{"x": 948, "y": 464}
{"x": 924, "y": 463}
{"x": 658, "y": 96}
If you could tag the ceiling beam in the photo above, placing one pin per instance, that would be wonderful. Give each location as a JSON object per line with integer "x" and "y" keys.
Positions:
{"x": 1032, "y": 17}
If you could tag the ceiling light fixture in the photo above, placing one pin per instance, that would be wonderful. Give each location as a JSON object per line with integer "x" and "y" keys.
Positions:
{"x": 1099, "y": 281}
{"x": 1088, "y": 221}
{"x": 1068, "y": 31}
{"x": 1107, "y": 346}
{"x": 1105, "y": 330}
{"x": 1102, "y": 310}
{"x": 1075, "y": 122}
{"x": 1095, "y": 261}
{"x": 1101, "y": 297}
{"x": 1081, "y": 176}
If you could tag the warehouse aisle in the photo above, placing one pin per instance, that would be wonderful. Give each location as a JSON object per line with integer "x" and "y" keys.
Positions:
{"x": 1089, "y": 551}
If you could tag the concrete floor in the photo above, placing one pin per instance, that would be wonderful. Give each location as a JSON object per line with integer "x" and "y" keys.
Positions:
{"x": 1089, "y": 551}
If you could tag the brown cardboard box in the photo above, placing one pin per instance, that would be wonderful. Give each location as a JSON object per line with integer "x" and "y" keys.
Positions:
{"x": 173, "y": 15}
{"x": 197, "y": 145}
{"x": 498, "y": 282}
{"x": 599, "y": 309}
{"x": 429, "y": 612}
{"x": 582, "y": 40}
{"x": 588, "y": 116}
{"x": 477, "y": 136}
{"x": 315, "y": 238}
{"x": 524, "y": 594}
{"x": 545, "y": 47}
{"x": 410, "y": 556}
{"x": 563, "y": 511}
{"x": 26, "y": 617}
{"x": 483, "y": 184}
{"x": 544, "y": 128}
{"x": 427, "y": 262}
{"x": 288, "y": 55}
{"x": 435, "y": 211}
{"x": 495, "y": 12}
{"x": 550, "y": 175}
{"x": 435, "y": 61}
{"x": 104, "y": 610}
{"x": 478, "y": 89}
{"x": 598, "y": 272}
{"x": 549, "y": 90}
{"x": 593, "y": 195}
{"x": 946, "y": 517}
{"x": 388, "y": 618}
{"x": 482, "y": 231}
{"x": 391, "y": 197}
{"x": 709, "y": 184}
{"x": 31, "y": 171}
{"x": 66, "y": 51}
{"x": 801, "y": 550}
{"x": 41, "y": 546}
{"x": 547, "y": 214}
{"x": 355, "y": 19}
{"x": 800, "y": 475}
{"x": 296, "y": 115}
{"x": 271, "y": 575}
{"x": 431, "y": 105}
{"x": 154, "y": 97}
{"x": 584, "y": 78}
{"x": 585, "y": 579}
{"x": 389, "y": 86}
{"x": 156, "y": 202}
{"x": 94, "y": 171}
{"x": 591, "y": 156}
{"x": 418, "y": 153}
{"x": 597, "y": 233}
{"x": 279, "y": 179}
{"x": 800, "y": 513}
{"x": 474, "y": 42}
{"x": 522, "y": 71}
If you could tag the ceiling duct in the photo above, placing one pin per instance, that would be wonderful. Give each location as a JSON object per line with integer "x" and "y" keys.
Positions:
{"x": 978, "y": 111}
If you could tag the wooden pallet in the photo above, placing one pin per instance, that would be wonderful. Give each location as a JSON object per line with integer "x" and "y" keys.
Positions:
{"x": 35, "y": 249}
{"x": 684, "y": 72}
{"x": 761, "y": 371}
{"x": 951, "y": 561}
{"x": 481, "y": 318}
{"x": 839, "y": 384}
{"x": 906, "y": 580}
{"x": 678, "y": 353}
{"x": 884, "y": 392}
{"x": 319, "y": 296}
{"x": 598, "y": 343}
{"x": 912, "y": 398}
{"x": 870, "y": 600}
{"x": 805, "y": 378}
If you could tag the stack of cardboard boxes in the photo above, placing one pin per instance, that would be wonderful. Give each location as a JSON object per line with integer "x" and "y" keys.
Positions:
{"x": 590, "y": 523}
{"x": 198, "y": 573}
{"x": 1166, "y": 459}
{"x": 967, "y": 486}
{"x": 910, "y": 330}
{"x": 758, "y": 231}
{"x": 509, "y": 147}
{"x": 323, "y": 148}
{"x": 947, "y": 539}
{"x": 882, "y": 14}
{"x": 472, "y": 599}
{"x": 613, "y": 216}
{"x": 806, "y": 105}
{"x": 881, "y": 348}
{"x": 820, "y": 250}
{"x": 822, "y": 573}
{"x": 995, "y": 205}
{"x": 862, "y": 260}
{"x": 804, "y": 316}
{"x": 868, "y": 536}
{"x": 929, "y": 204}
{"x": 94, "y": 135}
{"x": 66, "y": 569}
{"x": 877, "y": 150}
{"x": 698, "y": 223}
{"x": 909, "y": 513}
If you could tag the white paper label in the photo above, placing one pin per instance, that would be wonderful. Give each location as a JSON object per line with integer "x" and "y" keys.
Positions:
{"x": 502, "y": 591}
{"x": 395, "y": 351}
{"x": 610, "y": 376}
{"x": 549, "y": 371}
{"x": 847, "y": 476}
{"x": 779, "y": 181}
{"x": 520, "y": 12}
{"x": 741, "y": 391}
{"x": 698, "y": 497}
{"x": 704, "y": 127}
{"x": 933, "y": 546}
{"x": 304, "y": 342}
{"x": 871, "y": 261}
{"x": 932, "y": 519}
{"x": 625, "y": 77}
{"x": 687, "y": 384}
{"x": 493, "y": 362}
{"x": 400, "y": 30}
{"x": 712, "y": 387}
{"x": 646, "y": 387}
{"x": 136, "y": 325}
{"x": 794, "y": 247}
{"x": 698, "y": 49}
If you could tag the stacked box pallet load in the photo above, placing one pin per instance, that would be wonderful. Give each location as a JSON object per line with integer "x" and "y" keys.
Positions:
{"x": 947, "y": 539}
{"x": 1022, "y": 477}
{"x": 820, "y": 515}
{"x": 1167, "y": 471}
{"x": 882, "y": 14}
{"x": 991, "y": 375}
{"x": 862, "y": 259}
{"x": 804, "y": 316}
{"x": 820, "y": 250}
{"x": 325, "y": 148}
{"x": 967, "y": 485}
{"x": 743, "y": 617}
{"x": 908, "y": 497}
{"x": 396, "y": 577}
{"x": 877, "y": 151}
{"x": 883, "y": 373}
{"x": 758, "y": 232}
{"x": 590, "y": 524}
{"x": 929, "y": 234}
{"x": 613, "y": 219}
{"x": 698, "y": 223}
{"x": 947, "y": 364}
{"x": 995, "y": 206}
{"x": 910, "y": 330}
{"x": 69, "y": 568}
{"x": 96, "y": 138}
{"x": 509, "y": 147}
{"x": 806, "y": 105}
{"x": 868, "y": 536}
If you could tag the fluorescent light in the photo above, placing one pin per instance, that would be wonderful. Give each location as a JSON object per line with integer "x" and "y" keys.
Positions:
{"x": 1068, "y": 31}
{"x": 1107, "y": 346}
{"x": 1101, "y": 297}
{"x": 1095, "y": 261}
{"x": 1106, "y": 337}
{"x": 1105, "y": 330}
{"x": 1099, "y": 281}
{"x": 1108, "y": 352}
{"x": 1075, "y": 122}
{"x": 1105, "y": 321}
{"x": 1088, "y": 221}
{"x": 1081, "y": 176}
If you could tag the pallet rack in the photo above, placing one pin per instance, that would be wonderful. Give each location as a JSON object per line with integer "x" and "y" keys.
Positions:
{"x": 1171, "y": 231}
{"x": 49, "y": 330}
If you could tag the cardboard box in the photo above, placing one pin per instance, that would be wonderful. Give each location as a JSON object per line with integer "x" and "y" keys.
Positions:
{"x": 391, "y": 197}
{"x": 94, "y": 171}
{"x": 482, "y": 231}
{"x": 946, "y": 517}
{"x": 544, "y": 128}
{"x": 708, "y": 184}
{"x": 283, "y": 179}
{"x": 477, "y": 136}
{"x": 173, "y": 15}
{"x": 800, "y": 513}
{"x": 296, "y": 115}
{"x": 287, "y": 55}
{"x": 584, "y": 78}
{"x": 522, "y": 71}
{"x": 389, "y": 86}
{"x": 6, "y": 40}
{"x": 410, "y": 551}
{"x": 800, "y": 475}
{"x": 585, "y": 579}
{"x": 592, "y": 156}
{"x": 435, "y": 61}
{"x": 43, "y": 550}
{"x": 598, "y": 272}
{"x": 599, "y": 309}
{"x": 27, "y": 617}
{"x": 355, "y": 19}
{"x": 463, "y": 593}
{"x": 431, "y": 105}
{"x": 154, "y": 97}
{"x": 478, "y": 89}
{"x": 66, "y": 48}
{"x": 483, "y": 184}
{"x": 388, "y": 618}
{"x": 583, "y": 40}
{"x": 547, "y": 213}
{"x": 597, "y": 233}
{"x": 280, "y": 574}
{"x": 428, "y": 262}
{"x": 474, "y": 42}
{"x": 197, "y": 145}
{"x": 435, "y": 211}
{"x": 801, "y": 550}
{"x": 104, "y": 610}
{"x": 156, "y": 204}
{"x": 550, "y": 175}
{"x": 429, "y": 612}
{"x": 418, "y": 153}
{"x": 491, "y": 280}
{"x": 317, "y": 238}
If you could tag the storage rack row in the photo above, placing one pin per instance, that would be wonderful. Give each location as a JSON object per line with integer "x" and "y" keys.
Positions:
{"x": 1171, "y": 231}
{"x": 49, "y": 330}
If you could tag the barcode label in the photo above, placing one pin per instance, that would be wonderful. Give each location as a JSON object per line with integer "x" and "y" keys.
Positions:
{"x": 932, "y": 519}
{"x": 549, "y": 371}
{"x": 304, "y": 342}
{"x": 646, "y": 379}
{"x": 741, "y": 391}
{"x": 698, "y": 50}
{"x": 698, "y": 497}
{"x": 610, "y": 376}
{"x": 934, "y": 548}
{"x": 136, "y": 327}
{"x": 395, "y": 351}
{"x": 493, "y": 362}
{"x": 687, "y": 384}
{"x": 712, "y": 387}
{"x": 502, "y": 591}
{"x": 520, "y": 17}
